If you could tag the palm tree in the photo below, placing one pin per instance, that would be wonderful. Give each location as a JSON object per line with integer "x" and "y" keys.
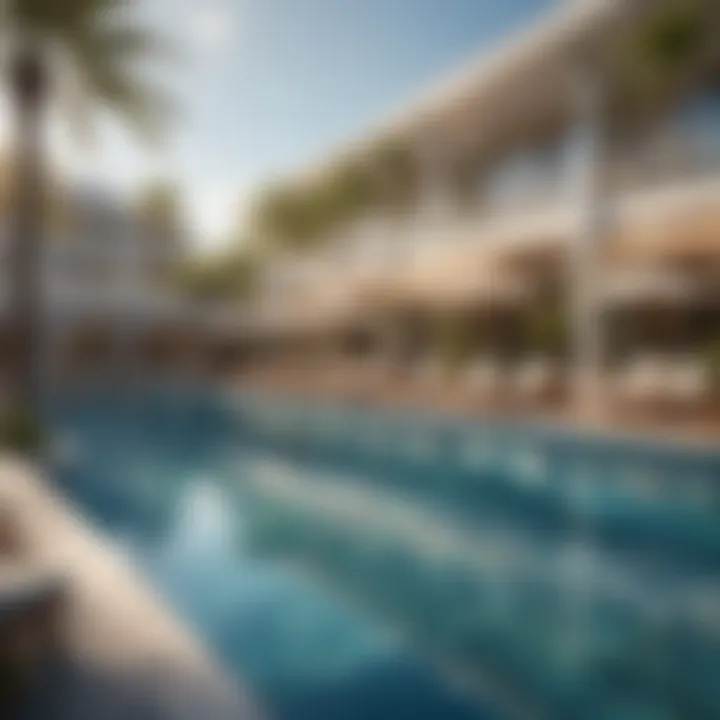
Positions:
{"x": 347, "y": 193}
{"x": 288, "y": 217}
{"x": 91, "y": 49}
{"x": 397, "y": 175}
{"x": 678, "y": 38}
{"x": 228, "y": 277}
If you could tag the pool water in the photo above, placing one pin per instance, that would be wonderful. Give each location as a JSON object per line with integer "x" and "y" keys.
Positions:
{"x": 354, "y": 563}
{"x": 157, "y": 477}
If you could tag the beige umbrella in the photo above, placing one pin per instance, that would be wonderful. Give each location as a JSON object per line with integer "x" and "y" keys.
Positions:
{"x": 465, "y": 279}
{"x": 690, "y": 234}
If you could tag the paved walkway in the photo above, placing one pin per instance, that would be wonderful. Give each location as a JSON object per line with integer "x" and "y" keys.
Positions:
{"x": 694, "y": 429}
{"x": 122, "y": 654}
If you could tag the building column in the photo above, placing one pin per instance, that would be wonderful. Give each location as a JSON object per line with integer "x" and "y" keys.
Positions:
{"x": 586, "y": 258}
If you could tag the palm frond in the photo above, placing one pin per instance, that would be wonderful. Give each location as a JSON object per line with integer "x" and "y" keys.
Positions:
{"x": 146, "y": 109}
{"x": 126, "y": 43}
{"x": 673, "y": 40}
{"x": 51, "y": 18}
{"x": 108, "y": 49}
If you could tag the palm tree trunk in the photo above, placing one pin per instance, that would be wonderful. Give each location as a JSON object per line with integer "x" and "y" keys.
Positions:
{"x": 28, "y": 88}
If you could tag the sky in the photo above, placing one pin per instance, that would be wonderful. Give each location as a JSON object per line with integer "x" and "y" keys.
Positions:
{"x": 267, "y": 87}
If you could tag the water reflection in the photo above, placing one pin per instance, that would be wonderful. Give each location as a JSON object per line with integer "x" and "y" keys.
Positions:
{"x": 205, "y": 527}
{"x": 310, "y": 653}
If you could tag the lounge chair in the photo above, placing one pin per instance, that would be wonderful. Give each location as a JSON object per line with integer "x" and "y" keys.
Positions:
{"x": 689, "y": 381}
{"x": 644, "y": 380}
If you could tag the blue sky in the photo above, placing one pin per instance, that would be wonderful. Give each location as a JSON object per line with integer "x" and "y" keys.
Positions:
{"x": 272, "y": 85}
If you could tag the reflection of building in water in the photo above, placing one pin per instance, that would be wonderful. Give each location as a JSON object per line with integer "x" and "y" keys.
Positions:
{"x": 549, "y": 224}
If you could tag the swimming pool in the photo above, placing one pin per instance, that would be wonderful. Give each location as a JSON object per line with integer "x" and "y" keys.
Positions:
{"x": 160, "y": 477}
{"x": 360, "y": 563}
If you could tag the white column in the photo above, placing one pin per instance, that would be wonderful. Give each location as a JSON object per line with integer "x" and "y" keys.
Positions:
{"x": 586, "y": 254}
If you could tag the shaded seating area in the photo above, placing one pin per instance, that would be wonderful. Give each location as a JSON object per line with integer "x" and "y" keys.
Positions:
{"x": 662, "y": 335}
{"x": 490, "y": 326}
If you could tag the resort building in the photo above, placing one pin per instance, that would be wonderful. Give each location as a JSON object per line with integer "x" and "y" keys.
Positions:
{"x": 109, "y": 305}
{"x": 557, "y": 236}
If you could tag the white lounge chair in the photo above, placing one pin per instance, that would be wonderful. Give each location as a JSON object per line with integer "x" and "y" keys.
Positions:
{"x": 644, "y": 379}
{"x": 689, "y": 380}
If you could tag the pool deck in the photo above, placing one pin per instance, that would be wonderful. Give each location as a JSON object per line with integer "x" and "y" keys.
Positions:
{"x": 693, "y": 430}
{"x": 121, "y": 652}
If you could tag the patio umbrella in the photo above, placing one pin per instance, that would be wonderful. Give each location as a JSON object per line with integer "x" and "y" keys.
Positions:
{"x": 462, "y": 279}
{"x": 677, "y": 229}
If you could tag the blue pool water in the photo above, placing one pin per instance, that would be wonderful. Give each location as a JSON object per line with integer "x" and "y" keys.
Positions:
{"x": 353, "y": 563}
{"x": 158, "y": 478}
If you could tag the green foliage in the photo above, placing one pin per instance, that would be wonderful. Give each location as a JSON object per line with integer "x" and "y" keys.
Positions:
{"x": 665, "y": 48}
{"x": 289, "y": 218}
{"x": 547, "y": 329}
{"x": 106, "y": 50}
{"x": 21, "y": 431}
{"x": 348, "y": 192}
{"x": 301, "y": 216}
{"x": 225, "y": 277}
{"x": 397, "y": 175}
{"x": 454, "y": 341}
{"x": 675, "y": 34}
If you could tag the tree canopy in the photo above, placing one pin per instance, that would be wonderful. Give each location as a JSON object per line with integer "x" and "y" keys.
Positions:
{"x": 95, "y": 55}
{"x": 225, "y": 277}
{"x": 303, "y": 214}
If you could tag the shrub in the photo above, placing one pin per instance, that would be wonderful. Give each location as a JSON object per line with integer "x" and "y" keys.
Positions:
{"x": 21, "y": 431}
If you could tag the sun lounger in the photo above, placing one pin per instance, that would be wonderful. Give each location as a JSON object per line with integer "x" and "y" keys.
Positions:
{"x": 643, "y": 380}
{"x": 688, "y": 381}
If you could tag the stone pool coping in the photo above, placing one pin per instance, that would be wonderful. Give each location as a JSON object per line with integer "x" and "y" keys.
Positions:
{"x": 123, "y": 652}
